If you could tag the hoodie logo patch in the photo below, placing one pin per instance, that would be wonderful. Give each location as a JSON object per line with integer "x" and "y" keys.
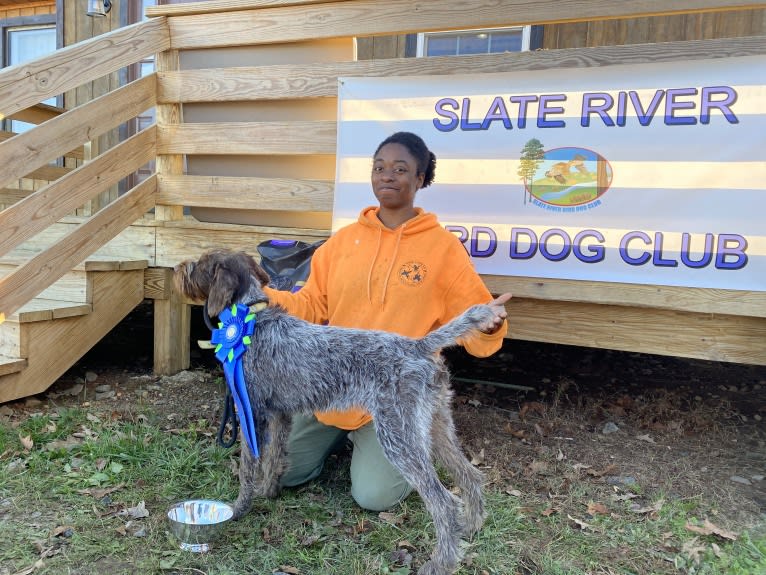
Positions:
{"x": 412, "y": 273}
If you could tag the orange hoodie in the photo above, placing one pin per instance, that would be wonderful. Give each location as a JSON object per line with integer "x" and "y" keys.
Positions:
{"x": 409, "y": 280}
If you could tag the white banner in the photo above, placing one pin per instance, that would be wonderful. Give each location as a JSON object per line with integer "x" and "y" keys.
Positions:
{"x": 649, "y": 174}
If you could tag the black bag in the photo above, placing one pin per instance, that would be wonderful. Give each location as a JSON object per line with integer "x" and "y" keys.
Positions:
{"x": 287, "y": 262}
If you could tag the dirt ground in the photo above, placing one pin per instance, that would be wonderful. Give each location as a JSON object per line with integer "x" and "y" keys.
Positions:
{"x": 576, "y": 418}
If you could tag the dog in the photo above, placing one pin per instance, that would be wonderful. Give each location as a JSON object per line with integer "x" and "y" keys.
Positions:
{"x": 402, "y": 382}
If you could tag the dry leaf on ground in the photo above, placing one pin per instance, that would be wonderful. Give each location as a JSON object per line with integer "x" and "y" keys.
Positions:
{"x": 708, "y": 528}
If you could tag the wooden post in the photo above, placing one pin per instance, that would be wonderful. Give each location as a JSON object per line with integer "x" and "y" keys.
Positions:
{"x": 172, "y": 317}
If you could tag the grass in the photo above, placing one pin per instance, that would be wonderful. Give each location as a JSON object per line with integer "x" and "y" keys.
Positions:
{"x": 69, "y": 479}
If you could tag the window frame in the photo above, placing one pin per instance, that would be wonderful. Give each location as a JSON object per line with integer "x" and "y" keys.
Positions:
{"x": 19, "y": 22}
{"x": 526, "y": 37}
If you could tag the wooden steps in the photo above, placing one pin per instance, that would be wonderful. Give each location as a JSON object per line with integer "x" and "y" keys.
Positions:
{"x": 46, "y": 336}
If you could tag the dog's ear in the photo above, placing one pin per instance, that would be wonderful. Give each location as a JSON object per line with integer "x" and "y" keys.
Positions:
{"x": 223, "y": 288}
{"x": 261, "y": 275}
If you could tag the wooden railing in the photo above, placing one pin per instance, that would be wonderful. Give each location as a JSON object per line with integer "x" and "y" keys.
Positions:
{"x": 29, "y": 153}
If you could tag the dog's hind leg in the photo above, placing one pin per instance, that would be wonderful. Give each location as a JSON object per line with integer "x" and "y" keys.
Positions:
{"x": 447, "y": 450}
{"x": 408, "y": 449}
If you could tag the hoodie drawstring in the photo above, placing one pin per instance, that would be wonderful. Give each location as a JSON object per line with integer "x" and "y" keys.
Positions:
{"x": 393, "y": 261}
{"x": 372, "y": 266}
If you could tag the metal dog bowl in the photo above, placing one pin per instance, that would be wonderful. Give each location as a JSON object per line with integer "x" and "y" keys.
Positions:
{"x": 197, "y": 522}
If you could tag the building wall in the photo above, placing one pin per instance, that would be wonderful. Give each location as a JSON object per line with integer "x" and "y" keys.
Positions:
{"x": 28, "y": 9}
{"x": 610, "y": 32}
{"x": 656, "y": 29}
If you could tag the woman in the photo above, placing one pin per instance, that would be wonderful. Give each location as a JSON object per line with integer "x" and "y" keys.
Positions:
{"x": 396, "y": 269}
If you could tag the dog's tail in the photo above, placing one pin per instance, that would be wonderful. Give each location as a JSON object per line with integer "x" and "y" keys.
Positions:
{"x": 448, "y": 334}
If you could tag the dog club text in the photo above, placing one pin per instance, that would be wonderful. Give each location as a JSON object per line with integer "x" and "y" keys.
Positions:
{"x": 676, "y": 107}
{"x": 636, "y": 248}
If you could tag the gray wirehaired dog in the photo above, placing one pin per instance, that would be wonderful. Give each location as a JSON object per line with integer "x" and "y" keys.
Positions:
{"x": 294, "y": 367}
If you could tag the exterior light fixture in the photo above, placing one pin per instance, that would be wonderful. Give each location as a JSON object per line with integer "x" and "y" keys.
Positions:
{"x": 98, "y": 8}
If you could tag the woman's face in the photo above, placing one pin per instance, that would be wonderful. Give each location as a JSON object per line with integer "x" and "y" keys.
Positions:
{"x": 395, "y": 177}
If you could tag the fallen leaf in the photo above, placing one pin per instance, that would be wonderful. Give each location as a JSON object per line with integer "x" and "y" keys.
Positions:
{"x": 597, "y": 509}
{"x": 289, "y": 570}
{"x": 607, "y": 470}
{"x": 531, "y": 407}
{"x": 513, "y": 492}
{"x": 137, "y": 512}
{"x": 517, "y": 433}
{"x": 362, "y": 526}
{"x": 391, "y": 518}
{"x": 477, "y": 458}
{"x": 709, "y": 528}
{"x": 100, "y": 493}
{"x": 652, "y": 510}
{"x": 581, "y": 524}
{"x": 66, "y": 444}
{"x": 39, "y": 564}
{"x": 550, "y": 511}
{"x": 65, "y": 530}
{"x": 309, "y": 541}
{"x": 27, "y": 443}
{"x": 645, "y": 437}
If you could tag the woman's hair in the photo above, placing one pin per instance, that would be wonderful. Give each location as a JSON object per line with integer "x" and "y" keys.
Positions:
{"x": 424, "y": 157}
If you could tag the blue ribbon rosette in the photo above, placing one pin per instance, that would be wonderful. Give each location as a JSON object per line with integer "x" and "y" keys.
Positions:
{"x": 235, "y": 327}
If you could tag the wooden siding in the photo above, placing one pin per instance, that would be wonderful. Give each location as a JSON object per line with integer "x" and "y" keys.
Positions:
{"x": 28, "y": 9}
{"x": 655, "y": 29}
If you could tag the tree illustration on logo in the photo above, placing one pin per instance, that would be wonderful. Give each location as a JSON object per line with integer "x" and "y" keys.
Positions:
{"x": 532, "y": 156}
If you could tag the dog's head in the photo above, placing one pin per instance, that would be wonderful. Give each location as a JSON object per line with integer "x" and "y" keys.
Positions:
{"x": 222, "y": 277}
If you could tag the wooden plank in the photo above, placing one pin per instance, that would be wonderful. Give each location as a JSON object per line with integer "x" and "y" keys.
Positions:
{"x": 136, "y": 242}
{"x": 38, "y": 113}
{"x": 211, "y": 7}
{"x": 40, "y": 309}
{"x": 53, "y": 347}
{"x": 246, "y": 193}
{"x": 48, "y": 173}
{"x": 76, "y": 153}
{"x": 287, "y": 138}
{"x": 729, "y": 302}
{"x": 182, "y": 241}
{"x": 36, "y": 212}
{"x": 169, "y": 114}
{"x": 12, "y": 195}
{"x": 73, "y": 286}
{"x": 42, "y": 144}
{"x": 13, "y": 343}
{"x": 10, "y": 365}
{"x": 372, "y": 17}
{"x": 321, "y": 79}
{"x": 156, "y": 285}
{"x": 663, "y": 332}
{"x": 31, "y": 278}
{"x": 171, "y": 317}
{"x": 26, "y": 84}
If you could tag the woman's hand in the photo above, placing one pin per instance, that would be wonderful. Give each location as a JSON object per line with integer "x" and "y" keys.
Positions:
{"x": 498, "y": 307}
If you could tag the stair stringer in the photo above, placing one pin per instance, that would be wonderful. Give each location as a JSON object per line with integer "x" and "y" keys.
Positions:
{"x": 53, "y": 346}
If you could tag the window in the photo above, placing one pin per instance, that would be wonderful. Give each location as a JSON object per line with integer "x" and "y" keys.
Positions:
{"x": 463, "y": 42}
{"x": 24, "y": 43}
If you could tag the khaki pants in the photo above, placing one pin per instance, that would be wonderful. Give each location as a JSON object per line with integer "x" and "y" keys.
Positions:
{"x": 375, "y": 484}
